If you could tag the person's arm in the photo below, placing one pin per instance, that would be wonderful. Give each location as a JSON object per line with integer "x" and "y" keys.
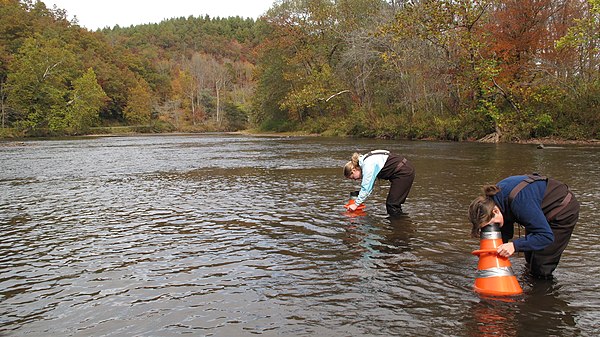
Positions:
{"x": 507, "y": 231}
{"x": 367, "y": 182}
{"x": 528, "y": 213}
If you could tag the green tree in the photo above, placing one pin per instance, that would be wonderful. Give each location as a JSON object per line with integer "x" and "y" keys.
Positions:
{"x": 39, "y": 80}
{"x": 296, "y": 60}
{"x": 271, "y": 86}
{"x": 87, "y": 99}
{"x": 235, "y": 118}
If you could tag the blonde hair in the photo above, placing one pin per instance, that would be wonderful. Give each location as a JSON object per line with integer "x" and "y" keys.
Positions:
{"x": 481, "y": 209}
{"x": 352, "y": 164}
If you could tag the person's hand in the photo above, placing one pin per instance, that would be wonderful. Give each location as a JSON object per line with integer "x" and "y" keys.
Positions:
{"x": 506, "y": 250}
{"x": 352, "y": 207}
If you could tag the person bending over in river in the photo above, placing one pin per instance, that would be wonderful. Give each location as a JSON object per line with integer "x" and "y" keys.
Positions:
{"x": 383, "y": 165}
{"x": 545, "y": 207}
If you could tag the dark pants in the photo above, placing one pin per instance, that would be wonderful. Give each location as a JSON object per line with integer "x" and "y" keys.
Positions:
{"x": 401, "y": 183}
{"x": 543, "y": 262}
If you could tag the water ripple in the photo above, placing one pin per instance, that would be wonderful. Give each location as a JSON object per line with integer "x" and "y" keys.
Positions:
{"x": 230, "y": 235}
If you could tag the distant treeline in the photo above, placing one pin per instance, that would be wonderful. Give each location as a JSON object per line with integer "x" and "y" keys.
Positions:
{"x": 501, "y": 70}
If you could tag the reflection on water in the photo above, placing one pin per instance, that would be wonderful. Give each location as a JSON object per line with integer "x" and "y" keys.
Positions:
{"x": 493, "y": 318}
{"x": 540, "y": 312}
{"x": 229, "y": 235}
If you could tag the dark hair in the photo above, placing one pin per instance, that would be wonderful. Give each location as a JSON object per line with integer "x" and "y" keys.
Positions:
{"x": 481, "y": 209}
{"x": 352, "y": 164}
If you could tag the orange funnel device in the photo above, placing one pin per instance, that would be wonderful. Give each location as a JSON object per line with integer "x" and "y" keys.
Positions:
{"x": 360, "y": 210}
{"x": 494, "y": 273}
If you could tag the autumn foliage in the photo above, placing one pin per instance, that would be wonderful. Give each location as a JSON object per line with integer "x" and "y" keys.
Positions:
{"x": 499, "y": 70}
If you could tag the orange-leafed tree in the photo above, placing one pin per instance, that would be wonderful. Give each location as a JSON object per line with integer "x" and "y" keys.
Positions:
{"x": 523, "y": 35}
{"x": 519, "y": 31}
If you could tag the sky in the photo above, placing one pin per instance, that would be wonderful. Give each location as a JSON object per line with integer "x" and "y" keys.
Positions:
{"x": 94, "y": 14}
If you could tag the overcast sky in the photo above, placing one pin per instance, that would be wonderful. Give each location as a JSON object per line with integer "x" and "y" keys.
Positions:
{"x": 94, "y": 14}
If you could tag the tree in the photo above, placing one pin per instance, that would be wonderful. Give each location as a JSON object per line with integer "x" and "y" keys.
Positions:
{"x": 235, "y": 118}
{"x": 3, "y": 107}
{"x": 139, "y": 104}
{"x": 361, "y": 63}
{"x": 438, "y": 48}
{"x": 87, "y": 98}
{"x": 301, "y": 49}
{"x": 577, "y": 109}
{"x": 243, "y": 85}
{"x": 186, "y": 92}
{"x": 585, "y": 35}
{"x": 221, "y": 80}
{"x": 38, "y": 80}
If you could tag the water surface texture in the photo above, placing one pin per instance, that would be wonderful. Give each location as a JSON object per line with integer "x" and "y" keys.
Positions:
{"x": 230, "y": 235}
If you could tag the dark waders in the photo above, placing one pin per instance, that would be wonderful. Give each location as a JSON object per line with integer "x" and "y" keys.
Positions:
{"x": 562, "y": 212}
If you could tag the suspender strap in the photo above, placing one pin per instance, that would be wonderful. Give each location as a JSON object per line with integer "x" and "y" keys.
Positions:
{"x": 376, "y": 152}
{"x": 530, "y": 178}
{"x": 401, "y": 163}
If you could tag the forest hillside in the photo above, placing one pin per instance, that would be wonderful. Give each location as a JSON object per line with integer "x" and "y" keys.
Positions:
{"x": 497, "y": 70}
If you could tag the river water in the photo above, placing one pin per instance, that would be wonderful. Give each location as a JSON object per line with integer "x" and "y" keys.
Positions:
{"x": 232, "y": 235}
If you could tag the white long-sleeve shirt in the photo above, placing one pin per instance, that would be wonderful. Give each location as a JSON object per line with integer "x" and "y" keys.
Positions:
{"x": 370, "y": 165}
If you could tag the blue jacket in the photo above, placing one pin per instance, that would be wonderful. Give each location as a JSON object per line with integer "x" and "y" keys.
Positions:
{"x": 525, "y": 209}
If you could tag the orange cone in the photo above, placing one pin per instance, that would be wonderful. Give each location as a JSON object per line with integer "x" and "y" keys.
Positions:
{"x": 494, "y": 273}
{"x": 360, "y": 210}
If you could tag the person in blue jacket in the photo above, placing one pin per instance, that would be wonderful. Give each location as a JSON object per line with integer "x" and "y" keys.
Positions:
{"x": 381, "y": 164}
{"x": 545, "y": 207}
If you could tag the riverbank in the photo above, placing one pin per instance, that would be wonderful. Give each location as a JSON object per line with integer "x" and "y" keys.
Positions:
{"x": 8, "y": 137}
{"x": 556, "y": 141}
{"x": 254, "y": 132}
{"x": 536, "y": 141}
